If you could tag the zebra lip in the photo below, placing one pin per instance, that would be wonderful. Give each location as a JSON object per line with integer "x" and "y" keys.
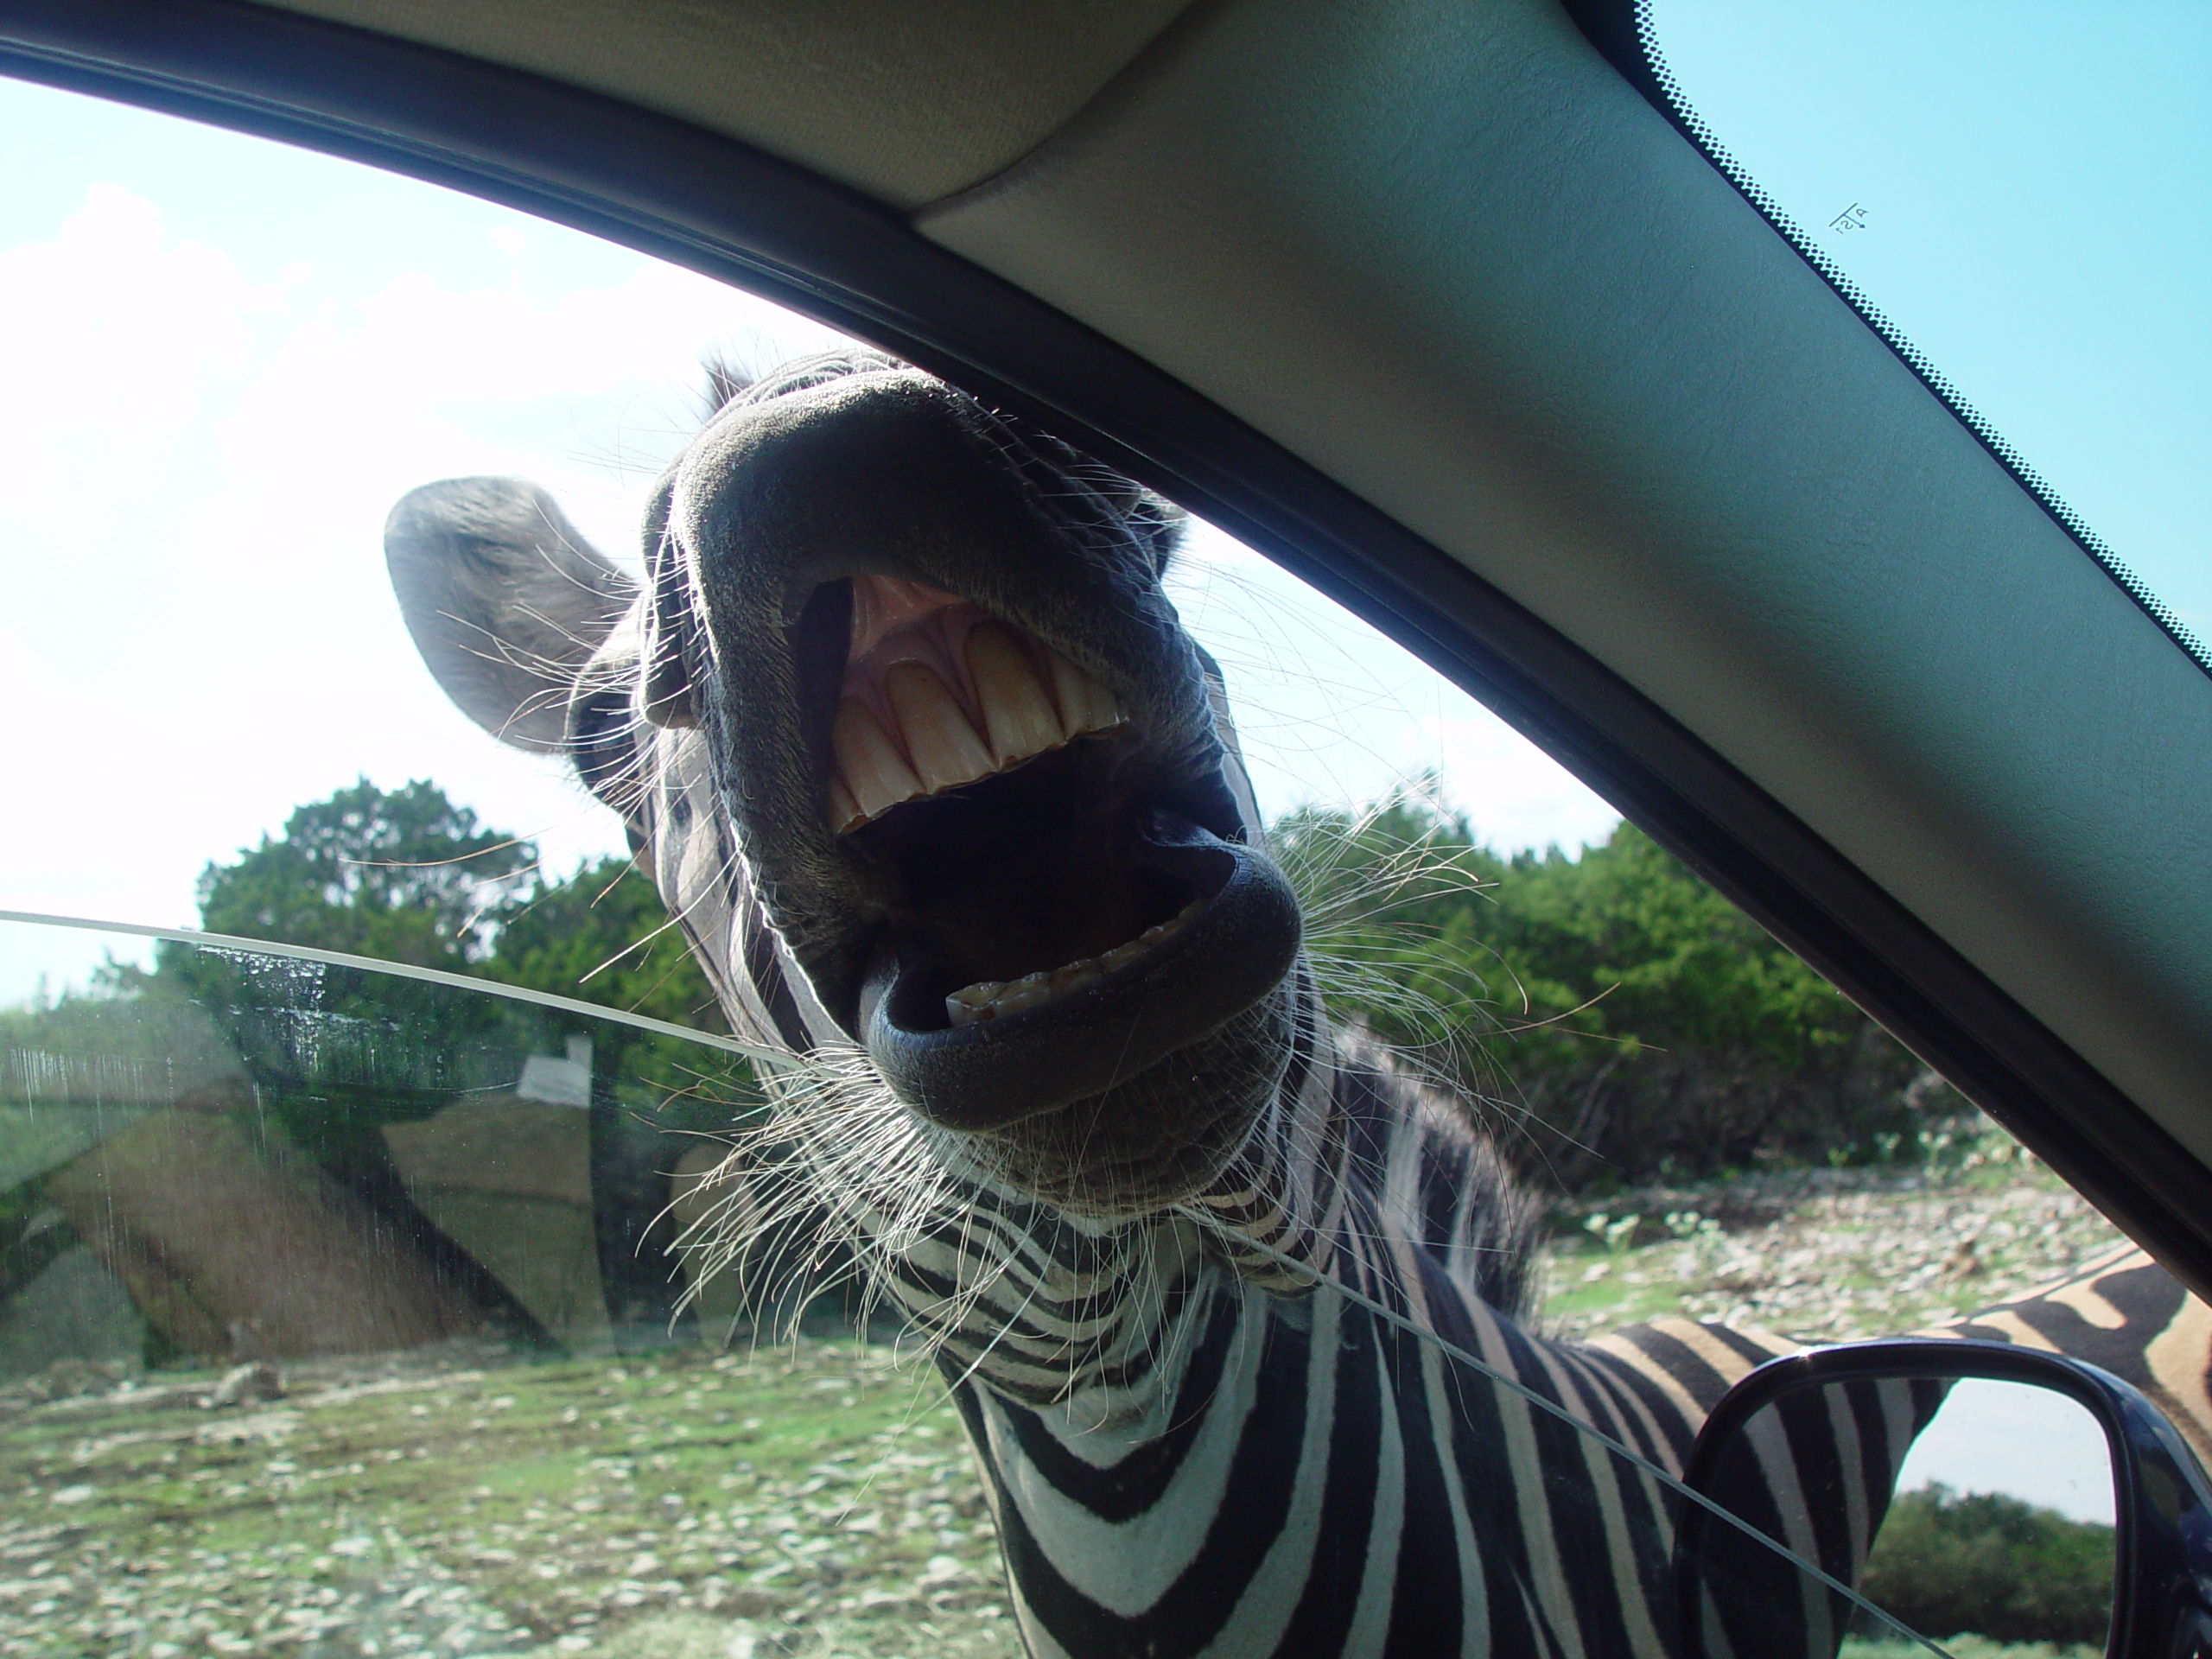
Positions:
{"x": 1233, "y": 950}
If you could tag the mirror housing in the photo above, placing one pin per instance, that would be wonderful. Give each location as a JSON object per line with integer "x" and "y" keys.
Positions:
{"x": 2162, "y": 1604}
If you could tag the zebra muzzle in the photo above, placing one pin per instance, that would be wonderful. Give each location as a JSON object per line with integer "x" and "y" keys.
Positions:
{"x": 1229, "y": 944}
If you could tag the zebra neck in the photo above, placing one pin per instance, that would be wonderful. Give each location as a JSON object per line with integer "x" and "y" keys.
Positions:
{"x": 1309, "y": 1477}
{"x": 1045, "y": 1309}
{"x": 1278, "y": 1211}
{"x": 1099, "y": 1318}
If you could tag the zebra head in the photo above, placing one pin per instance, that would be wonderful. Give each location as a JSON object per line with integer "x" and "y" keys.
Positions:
{"x": 909, "y": 736}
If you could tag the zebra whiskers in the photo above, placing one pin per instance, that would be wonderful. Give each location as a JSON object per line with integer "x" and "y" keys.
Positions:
{"x": 837, "y": 1184}
{"x": 1234, "y": 1303}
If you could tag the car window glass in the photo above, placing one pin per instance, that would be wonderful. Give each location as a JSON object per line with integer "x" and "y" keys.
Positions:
{"x": 354, "y": 1312}
{"x": 2025, "y": 197}
{"x": 242, "y": 356}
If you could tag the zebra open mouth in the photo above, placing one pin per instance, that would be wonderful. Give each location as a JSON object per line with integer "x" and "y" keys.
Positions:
{"x": 1071, "y": 909}
{"x": 919, "y": 755}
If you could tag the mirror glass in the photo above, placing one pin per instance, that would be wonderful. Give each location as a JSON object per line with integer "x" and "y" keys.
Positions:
{"x": 1998, "y": 1536}
{"x": 2002, "y": 1528}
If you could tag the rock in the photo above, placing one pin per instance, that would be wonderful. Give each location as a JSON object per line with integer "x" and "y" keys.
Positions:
{"x": 247, "y": 1384}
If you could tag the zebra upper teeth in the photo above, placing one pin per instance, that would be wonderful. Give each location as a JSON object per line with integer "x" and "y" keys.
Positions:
{"x": 903, "y": 732}
{"x": 995, "y": 999}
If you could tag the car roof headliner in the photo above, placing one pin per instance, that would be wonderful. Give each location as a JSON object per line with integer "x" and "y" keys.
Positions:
{"x": 1510, "y": 365}
{"x": 906, "y": 103}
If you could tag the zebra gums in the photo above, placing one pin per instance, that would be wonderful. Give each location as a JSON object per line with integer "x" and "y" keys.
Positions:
{"x": 952, "y": 811}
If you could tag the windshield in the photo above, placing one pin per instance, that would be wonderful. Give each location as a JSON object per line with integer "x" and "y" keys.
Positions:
{"x": 2026, "y": 198}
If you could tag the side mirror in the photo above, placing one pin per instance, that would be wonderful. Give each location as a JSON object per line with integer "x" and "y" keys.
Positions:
{"x": 1941, "y": 1488}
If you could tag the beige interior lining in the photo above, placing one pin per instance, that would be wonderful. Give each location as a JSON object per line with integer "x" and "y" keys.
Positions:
{"x": 907, "y": 101}
{"x": 1446, "y": 255}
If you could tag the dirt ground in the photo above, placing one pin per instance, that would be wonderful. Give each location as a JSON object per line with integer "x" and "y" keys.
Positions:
{"x": 812, "y": 1499}
{"x": 1822, "y": 1254}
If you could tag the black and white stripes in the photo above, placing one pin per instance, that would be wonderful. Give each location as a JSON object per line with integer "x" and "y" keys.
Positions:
{"x": 1200, "y": 1269}
{"x": 1197, "y": 1438}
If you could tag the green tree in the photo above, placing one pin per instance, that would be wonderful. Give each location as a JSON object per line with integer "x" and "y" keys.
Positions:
{"x": 1949, "y": 1563}
{"x": 338, "y": 1054}
{"x": 1620, "y": 1018}
{"x": 603, "y": 935}
{"x": 1658, "y": 957}
{"x": 407, "y": 876}
{"x": 403, "y": 876}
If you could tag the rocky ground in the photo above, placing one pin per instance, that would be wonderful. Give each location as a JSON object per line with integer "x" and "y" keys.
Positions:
{"x": 807, "y": 1499}
{"x": 1825, "y": 1254}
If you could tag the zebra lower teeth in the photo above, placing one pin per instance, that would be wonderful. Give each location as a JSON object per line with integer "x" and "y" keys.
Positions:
{"x": 995, "y": 999}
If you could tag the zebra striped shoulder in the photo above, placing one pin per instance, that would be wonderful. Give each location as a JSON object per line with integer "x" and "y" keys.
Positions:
{"x": 2124, "y": 1312}
{"x": 1679, "y": 1368}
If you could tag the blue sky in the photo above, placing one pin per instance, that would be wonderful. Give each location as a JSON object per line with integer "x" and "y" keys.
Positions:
{"x": 2037, "y": 182}
{"x": 226, "y": 359}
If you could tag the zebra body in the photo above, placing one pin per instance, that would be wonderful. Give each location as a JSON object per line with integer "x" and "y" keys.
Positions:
{"x": 1199, "y": 1311}
{"x": 1242, "y": 1463}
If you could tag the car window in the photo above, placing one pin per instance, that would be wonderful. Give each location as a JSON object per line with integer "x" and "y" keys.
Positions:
{"x": 360, "y": 1309}
{"x": 362, "y": 1313}
{"x": 2024, "y": 200}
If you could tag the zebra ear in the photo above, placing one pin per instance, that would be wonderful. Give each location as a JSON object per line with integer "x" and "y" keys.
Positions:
{"x": 506, "y": 601}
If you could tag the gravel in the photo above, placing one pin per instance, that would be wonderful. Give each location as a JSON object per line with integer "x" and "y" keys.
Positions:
{"x": 810, "y": 1499}
{"x": 1824, "y": 1255}
{"x": 815, "y": 1499}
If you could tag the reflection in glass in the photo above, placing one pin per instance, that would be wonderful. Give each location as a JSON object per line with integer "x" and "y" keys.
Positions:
{"x": 343, "y": 1314}
{"x": 1998, "y": 1530}
{"x": 2002, "y": 1527}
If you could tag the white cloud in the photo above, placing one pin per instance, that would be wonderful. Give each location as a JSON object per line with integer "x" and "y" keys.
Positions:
{"x": 420, "y": 381}
{"x": 113, "y": 333}
{"x": 194, "y": 470}
{"x": 1515, "y": 794}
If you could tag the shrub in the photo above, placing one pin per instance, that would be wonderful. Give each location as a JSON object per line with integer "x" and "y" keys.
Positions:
{"x": 1947, "y": 1562}
{"x": 1622, "y": 1019}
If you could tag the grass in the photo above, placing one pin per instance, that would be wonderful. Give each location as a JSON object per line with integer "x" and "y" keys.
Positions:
{"x": 811, "y": 1499}
{"x": 1961, "y": 1647}
{"x": 815, "y": 1499}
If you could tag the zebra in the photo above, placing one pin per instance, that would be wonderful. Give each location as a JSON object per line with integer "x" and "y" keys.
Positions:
{"x": 1233, "y": 1307}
